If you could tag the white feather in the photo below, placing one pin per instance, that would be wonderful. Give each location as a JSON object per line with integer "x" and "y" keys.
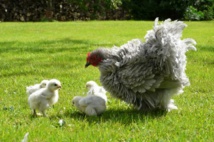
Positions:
{"x": 25, "y": 137}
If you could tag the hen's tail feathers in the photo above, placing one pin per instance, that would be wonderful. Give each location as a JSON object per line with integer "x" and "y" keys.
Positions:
{"x": 167, "y": 37}
{"x": 165, "y": 41}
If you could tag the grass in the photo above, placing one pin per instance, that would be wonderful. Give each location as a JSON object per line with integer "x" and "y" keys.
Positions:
{"x": 31, "y": 52}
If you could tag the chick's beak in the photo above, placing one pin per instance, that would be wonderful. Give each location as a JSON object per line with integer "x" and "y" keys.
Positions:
{"x": 87, "y": 64}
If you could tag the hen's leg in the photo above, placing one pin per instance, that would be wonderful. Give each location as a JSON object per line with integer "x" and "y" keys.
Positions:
{"x": 34, "y": 112}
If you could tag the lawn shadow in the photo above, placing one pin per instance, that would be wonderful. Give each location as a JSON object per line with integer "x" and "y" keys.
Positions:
{"x": 206, "y": 48}
{"x": 46, "y": 46}
{"x": 123, "y": 116}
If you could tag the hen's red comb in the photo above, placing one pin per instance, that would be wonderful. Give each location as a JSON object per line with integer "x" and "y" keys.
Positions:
{"x": 88, "y": 54}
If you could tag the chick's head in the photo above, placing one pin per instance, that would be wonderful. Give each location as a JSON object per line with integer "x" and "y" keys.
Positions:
{"x": 54, "y": 84}
{"x": 76, "y": 100}
{"x": 43, "y": 83}
{"x": 90, "y": 84}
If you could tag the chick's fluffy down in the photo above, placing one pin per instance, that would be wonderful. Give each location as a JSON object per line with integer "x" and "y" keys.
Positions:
{"x": 45, "y": 97}
{"x": 90, "y": 105}
{"x": 96, "y": 90}
{"x": 31, "y": 89}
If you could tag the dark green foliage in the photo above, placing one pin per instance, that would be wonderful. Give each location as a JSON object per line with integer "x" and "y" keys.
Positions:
{"x": 150, "y": 9}
{"x": 200, "y": 10}
{"x": 61, "y": 10}
{"x": 65, "y": 10}
{"x": 185, "y": 9}
{"x": 193, "y": 14}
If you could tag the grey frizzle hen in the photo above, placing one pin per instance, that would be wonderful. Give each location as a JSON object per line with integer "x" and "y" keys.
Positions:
{"x": 146, "y": 74}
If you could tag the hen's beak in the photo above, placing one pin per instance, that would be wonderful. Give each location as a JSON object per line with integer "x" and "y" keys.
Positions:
{"x": 87, "y": 64}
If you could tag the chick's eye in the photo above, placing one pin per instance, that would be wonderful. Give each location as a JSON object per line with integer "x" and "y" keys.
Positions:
{"x": 55, "y": 84}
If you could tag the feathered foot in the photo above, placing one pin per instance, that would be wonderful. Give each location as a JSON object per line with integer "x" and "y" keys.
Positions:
{"x": 44, "y": 114}
{"x": 171, "y": 105}
{"x": 34, "y": 113}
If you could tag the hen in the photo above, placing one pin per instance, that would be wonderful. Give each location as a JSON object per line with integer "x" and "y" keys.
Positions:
{"x": 146, "y": 74}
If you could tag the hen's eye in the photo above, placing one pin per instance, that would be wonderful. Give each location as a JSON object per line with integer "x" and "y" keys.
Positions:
{"x": 55, "y": 84}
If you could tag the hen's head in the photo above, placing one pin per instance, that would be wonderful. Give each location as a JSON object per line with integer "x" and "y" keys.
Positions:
{"x": 95, "y": 58}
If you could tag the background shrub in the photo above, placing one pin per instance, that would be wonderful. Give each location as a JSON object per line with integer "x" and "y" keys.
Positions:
{"x": 66, "y": 10}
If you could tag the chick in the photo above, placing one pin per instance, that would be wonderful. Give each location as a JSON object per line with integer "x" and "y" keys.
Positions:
{"x": 45, "y": 97}
{"x": 33, "y": 88}
{"x": 90, "y": 105}
{"x": 95, "y": 89}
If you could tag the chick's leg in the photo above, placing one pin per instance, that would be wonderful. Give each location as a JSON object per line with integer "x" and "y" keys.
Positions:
{"x": 43, "y": 107}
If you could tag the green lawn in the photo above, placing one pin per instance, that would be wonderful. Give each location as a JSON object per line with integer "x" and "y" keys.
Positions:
{"x": 31, "y": 52}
